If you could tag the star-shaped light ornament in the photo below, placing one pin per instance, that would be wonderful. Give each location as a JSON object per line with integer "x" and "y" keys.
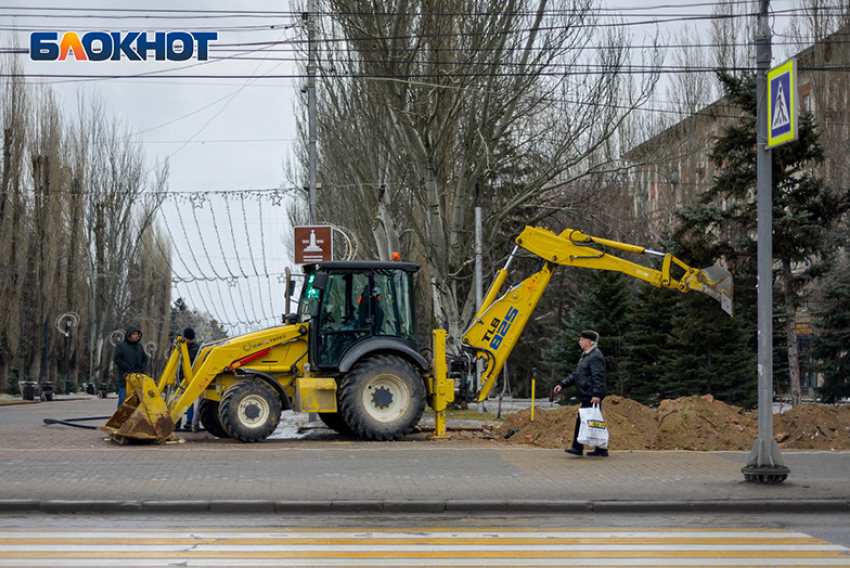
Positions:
{"x": 198, "y": 200}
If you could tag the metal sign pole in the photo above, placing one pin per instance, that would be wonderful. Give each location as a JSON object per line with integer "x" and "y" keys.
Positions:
{"x": 479, "y": 293}
{"x": 765, "y": 462}
{"x": 311, "y": 110}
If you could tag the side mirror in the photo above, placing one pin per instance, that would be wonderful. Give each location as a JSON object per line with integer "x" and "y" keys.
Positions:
{"x": 320, "y": 280}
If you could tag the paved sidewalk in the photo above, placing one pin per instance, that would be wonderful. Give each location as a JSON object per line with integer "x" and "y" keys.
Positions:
{"x": 63, "y": 469}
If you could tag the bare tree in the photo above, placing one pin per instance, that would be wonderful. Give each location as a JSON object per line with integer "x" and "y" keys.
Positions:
{"x": 813, "y": 21}
{"x": 691, "y": 88}
{"x": 76, "y": 207}
{"x": 731, "y": 36}
{"x": 120, "y": 208}
{"x": 429, "y": 107}
{"x": 48, "y": 227}
{"x": 14, "y": 114}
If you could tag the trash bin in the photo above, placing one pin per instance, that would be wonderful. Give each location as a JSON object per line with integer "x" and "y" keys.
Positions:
{"x": 89, "y": 388}
{"x": 29, "y": 389}
{"x": 47, "y": 392}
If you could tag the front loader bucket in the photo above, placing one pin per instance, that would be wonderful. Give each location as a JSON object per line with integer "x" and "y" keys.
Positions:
{"x": 143, "y": 416}
{"x": 716, "y": 282}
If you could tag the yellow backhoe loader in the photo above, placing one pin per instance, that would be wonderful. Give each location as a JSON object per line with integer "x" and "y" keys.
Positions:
{"x": 350, "y": 352}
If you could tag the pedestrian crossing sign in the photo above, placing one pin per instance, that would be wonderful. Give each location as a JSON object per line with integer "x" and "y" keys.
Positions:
{"x": 781, "y": 104}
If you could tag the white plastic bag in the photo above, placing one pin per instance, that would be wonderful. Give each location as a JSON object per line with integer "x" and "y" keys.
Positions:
{"x": 593, "y": 430}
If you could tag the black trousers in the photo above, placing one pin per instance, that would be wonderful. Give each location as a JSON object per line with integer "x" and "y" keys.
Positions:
{"x": 585, "y": 403}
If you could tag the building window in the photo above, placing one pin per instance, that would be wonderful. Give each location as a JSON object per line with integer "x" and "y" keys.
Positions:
{"x": 806, "y": 97}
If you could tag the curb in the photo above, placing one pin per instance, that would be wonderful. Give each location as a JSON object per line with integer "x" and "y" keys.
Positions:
{"x": 525, "y": 507}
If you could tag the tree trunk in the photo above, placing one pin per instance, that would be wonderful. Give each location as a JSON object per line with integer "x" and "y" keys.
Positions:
{"x": 791, "y": 334}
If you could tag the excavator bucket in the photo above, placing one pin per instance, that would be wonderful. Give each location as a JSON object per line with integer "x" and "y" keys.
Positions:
{"x": 143, "y": 417}
{"x": 716, "y": 282}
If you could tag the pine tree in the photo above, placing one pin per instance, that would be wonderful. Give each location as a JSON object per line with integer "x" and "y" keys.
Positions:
{"x": 804, "y": 210}
{"x": 708, "y": 355}
{"x": 833, "y": 337}
{"x": 649, "y": 341}
{"x": 602, "y": 305}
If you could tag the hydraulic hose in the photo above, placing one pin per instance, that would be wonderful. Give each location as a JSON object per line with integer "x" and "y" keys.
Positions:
{"x": 71, "y": 421}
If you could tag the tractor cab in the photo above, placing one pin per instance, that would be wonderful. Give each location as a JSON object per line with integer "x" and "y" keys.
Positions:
{"x": 358, "y": 307}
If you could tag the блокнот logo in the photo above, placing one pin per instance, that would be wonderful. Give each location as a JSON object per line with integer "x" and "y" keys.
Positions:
{"x": 115, "y": 46}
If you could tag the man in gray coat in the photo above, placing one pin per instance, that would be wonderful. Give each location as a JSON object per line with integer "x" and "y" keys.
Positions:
{"x": 589, "y": 379}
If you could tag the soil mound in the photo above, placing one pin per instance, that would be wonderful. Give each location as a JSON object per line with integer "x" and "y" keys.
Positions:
{"x": 550, "y": 429}
{"x": 697, "y": 423}
{"x": 702, "y": 423}
{"x": 813, "y": 427}
{"x": 631, "y": 426}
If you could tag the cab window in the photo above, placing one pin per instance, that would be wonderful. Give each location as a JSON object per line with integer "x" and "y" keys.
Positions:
{"x": 393, "y": 307}
{"x": 345, "y": 314}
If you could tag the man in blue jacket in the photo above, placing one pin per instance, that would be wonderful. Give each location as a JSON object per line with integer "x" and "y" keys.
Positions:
{"x": 129, "y": 357}
{"x": 589, "y": 379}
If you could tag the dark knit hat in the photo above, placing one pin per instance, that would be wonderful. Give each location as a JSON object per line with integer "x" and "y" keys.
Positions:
{"x": 591, "y": 335}
{"x": 189, "y": 333}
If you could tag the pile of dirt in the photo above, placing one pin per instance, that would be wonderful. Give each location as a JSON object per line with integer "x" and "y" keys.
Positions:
{"x": 631, "y": 426}
{"x": 691, "y": 423}
{"x": 813, "y": 427}
{"x": 702, "y": 423}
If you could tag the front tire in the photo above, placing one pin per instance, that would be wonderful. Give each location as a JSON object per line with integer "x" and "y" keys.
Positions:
{"x": 382, "y": 398}
{"x": 208, "y": 410}
{"x": 250, "y": 411}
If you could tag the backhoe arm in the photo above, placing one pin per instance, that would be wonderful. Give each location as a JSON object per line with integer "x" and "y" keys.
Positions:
{"x": 573, "y": 248}
{"x": 499, "y": 323}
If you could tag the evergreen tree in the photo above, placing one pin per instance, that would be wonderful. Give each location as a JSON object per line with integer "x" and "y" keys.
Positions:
{"x": 804, "y": 209}
{"x": 833, "y": 337}
{"x": 708, "y": 355}
{"x": 649, "y": 341}
{"x": 604, "y": 300}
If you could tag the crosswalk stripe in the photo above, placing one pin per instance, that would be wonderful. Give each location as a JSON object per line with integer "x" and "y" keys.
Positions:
{"x": 420, "y": 548}
{"x": 234, "y": 553}
{"x": 399, "y": 541}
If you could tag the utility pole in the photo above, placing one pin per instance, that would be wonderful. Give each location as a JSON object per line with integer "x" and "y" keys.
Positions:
{"x": 311, "y": 107}
{"x": 765, "y": 463}
{"x": 479, "y": 287}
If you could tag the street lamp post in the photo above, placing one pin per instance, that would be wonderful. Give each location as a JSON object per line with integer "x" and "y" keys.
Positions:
{"x": 68, "y": 357}
{"x": 64, "y": 323}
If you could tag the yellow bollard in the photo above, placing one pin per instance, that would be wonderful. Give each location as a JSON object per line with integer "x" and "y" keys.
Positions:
{"x": 532, "y": 400}
{"x": 441, "y": 386}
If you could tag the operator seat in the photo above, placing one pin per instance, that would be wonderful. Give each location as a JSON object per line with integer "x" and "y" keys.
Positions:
{"x": 363, "y": 312}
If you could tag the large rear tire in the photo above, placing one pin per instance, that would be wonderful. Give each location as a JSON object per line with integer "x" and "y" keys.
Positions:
{"x": 250, "y": 411}
{"x": 336, "y": 422}
{"x": 382, "y": 398}
{"x": 208, "y": 410}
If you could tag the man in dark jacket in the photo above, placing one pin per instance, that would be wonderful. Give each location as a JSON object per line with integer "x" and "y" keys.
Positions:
{"x": 192, "y": 348}
{"x": 129, "y": 357}
{"x": 589, "y": 379}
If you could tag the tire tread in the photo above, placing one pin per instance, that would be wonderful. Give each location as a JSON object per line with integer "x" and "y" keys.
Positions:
{"x": 350, "y": 399}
